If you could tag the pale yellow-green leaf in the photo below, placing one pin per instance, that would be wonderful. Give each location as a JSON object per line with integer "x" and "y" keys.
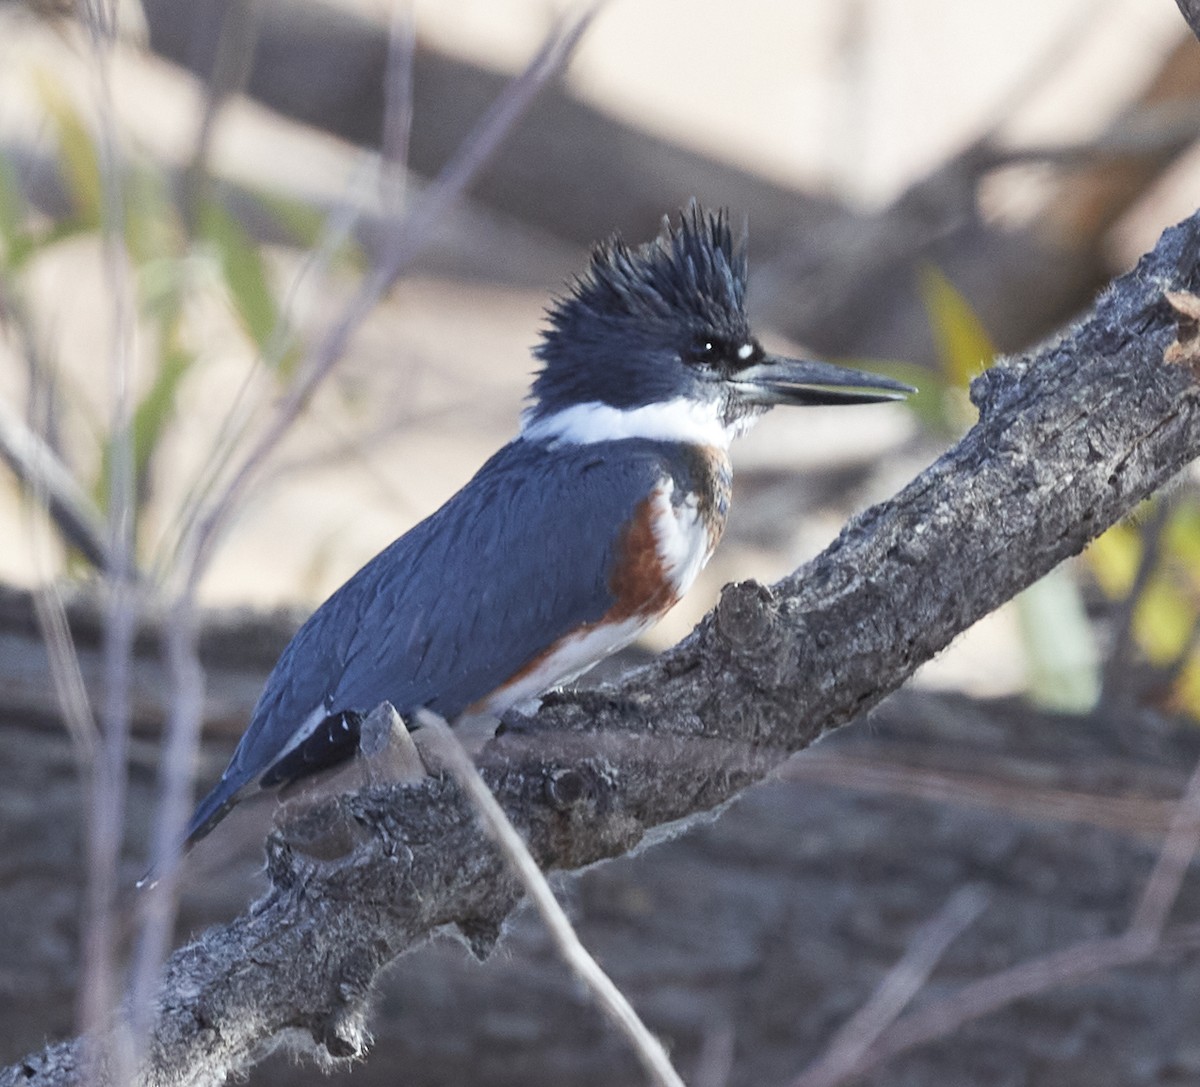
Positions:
{"x": 1163, "y": 619}
{"x": 1185, "y": 695}
{"x": 1183, "y": 534}
{"x": 153, "y": 227}
{"x": 245, "y": 276}
{"x": 1113, "y": 558}
{"x": 76, "y": 149}
{"x": 14, "y": 234}
{"x": 964, "y": 347}
{"x": 156, "y": 410}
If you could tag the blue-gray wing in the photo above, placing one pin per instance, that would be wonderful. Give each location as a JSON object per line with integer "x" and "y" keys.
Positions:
{"x": 518, "y": 559}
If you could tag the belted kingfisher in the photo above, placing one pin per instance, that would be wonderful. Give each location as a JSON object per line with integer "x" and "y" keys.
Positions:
{"x": 575, "y": 537}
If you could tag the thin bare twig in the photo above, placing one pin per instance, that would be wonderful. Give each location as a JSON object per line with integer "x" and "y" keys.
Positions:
{"x": 1143, "y": 938}
{"x": 32, "y": 457}
{"x": 996, "y": 991}
{"x": 1174, "y": 857}
{"x": 606, "y": 994}
{"x": 398, "y": 105}
{"x": 1136, "y": 814}
{"x": 40, "y": 471}
{"x": 400, "y": 249}
{"x": 1114, "y": 694}
{"x": 896, "y": 991}
{"x": 236, "y": 38}
{"x": 69, "y": 687}
{"x": 178, "y": 755}
{"x": 107, "y": 793}
{"x": 51, "y": 615}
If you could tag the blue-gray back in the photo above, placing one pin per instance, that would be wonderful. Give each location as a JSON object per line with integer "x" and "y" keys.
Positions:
{"x": 515, "y": 561}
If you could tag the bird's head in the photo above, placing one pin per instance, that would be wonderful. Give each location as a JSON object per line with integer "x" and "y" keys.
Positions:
{"x": 655, "y": 342}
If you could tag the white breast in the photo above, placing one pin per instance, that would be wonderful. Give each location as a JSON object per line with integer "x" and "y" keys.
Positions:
{"x": 684, "y": 542}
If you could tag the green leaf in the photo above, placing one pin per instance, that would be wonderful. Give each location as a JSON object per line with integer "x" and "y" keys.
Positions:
{"x": 300, "y": 220}
{"x": 1114, "y": 557}
{"x": 76, "y": 150}
{"x": 245, "y": 275}
{"x": 153, "y": 228}
{"x": 963, "y": 344}
{"x": 1182, "y": 540}
{"x": 1064, "y": 669}
{"x": 154, "y": 413}
{"x": 1186, "y": 693}
{"x": 14, "y": 213}
{"x": 1163, "y": 620}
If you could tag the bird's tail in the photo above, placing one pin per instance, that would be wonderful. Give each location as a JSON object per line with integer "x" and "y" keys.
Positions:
{"x": 209, "y": 812}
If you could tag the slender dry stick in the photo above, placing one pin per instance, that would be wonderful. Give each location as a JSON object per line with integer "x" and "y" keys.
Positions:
{"x": 108, "y": 782}
{"x": 49, "y": 611}
{"x": 69, "y": 687}
{"x": 183, "y": 663}
{"x": 337, "y": 228}
{"x": 38, "y": 469}
{"x": 1144, "y": 938}
{"x": 398, "y": 104}
{"x": 31, "y": 454}
{"x": 1176, "y": 855}
{"x": 1031, "y": 978}
{"x": 1138, "y": 815}
{"x": 896, "y": 991}
{"x": 159, "y": 904}
{"x": 1114, "y": 693}
{"x": 611, "y": 1000}
{"x": 401, "y": 248}
{"x": 236, "y": 38}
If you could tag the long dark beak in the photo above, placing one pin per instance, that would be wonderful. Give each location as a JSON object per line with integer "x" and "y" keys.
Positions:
{"x": 777, "y": 380}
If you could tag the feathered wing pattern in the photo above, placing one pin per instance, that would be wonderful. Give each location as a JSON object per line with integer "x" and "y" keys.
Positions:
{"x": 461, "y": 603}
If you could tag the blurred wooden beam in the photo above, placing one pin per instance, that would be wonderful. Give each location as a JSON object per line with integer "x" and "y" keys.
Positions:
{"x": 568, "y": 167}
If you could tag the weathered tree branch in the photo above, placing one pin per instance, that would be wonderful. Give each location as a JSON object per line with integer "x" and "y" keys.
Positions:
{"x": 1070, "y": 438}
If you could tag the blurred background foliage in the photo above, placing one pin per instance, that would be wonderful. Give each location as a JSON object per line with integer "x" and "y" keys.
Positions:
{"x": 926, "y": 184}
{"x": 197, "y": 243}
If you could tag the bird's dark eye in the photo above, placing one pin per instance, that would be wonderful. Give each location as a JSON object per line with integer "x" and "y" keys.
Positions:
{"x": 723, "y": 354}
{"x": 705, "y": 351}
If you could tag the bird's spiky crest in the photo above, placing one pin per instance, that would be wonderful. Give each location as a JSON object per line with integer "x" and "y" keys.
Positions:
{"x": 693, "y": 269}
{"x": 688, "y": 281}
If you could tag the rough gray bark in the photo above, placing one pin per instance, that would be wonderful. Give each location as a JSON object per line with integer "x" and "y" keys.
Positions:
{"x": 778, "y": 919}
{"x": 1070, "y": 438}
{"x": 773, "y": 922}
